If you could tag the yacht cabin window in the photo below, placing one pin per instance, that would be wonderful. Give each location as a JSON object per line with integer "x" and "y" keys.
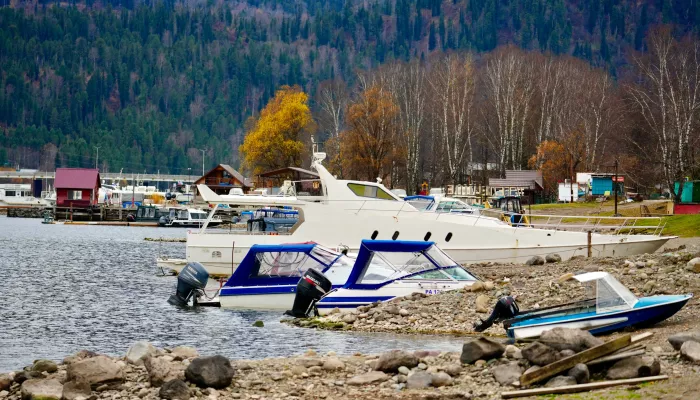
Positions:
{"x": 10, "y": 193}
{"x": 373, "y": 192}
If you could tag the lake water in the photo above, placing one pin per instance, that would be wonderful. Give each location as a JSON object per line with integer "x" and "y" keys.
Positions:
{"x": 66, "y": 288}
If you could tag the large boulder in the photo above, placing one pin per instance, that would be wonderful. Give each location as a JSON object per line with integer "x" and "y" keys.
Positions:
{"x": 508, "y": 373}
{"x": 566, "y": 338}
{"x": 581, "y": 373}
{"x": 678, "y": 339}
{"x": 392, "y": 360}
{"x": 540, "y": 354}
{"x": 690, "y": 351}
{"x": 440, "y": 379}
{"x": 45, "y": 366}
{"x": 694, "y": 265}
{"x": 480, "y": 349}
{"x": 5, "y": 382}
{"x": 76, "y": 389}
{"x": 535, "y": 260}
{"x": 161, "y": 370}
{"x": 368, "y": 378}
{"x": 482, "y": 304}
{"x": 634, "y": 367}
{"x": 139, "y": 351}
{"x": 22, "y": 376}
{"x": 41, "y": 389}
{"x": 96, "y": 371}
{"x": 174, "y": 390}
{"x": 215, "y": 372}
{"x": 553, "y": 258}
{"x": 419, "y": 380}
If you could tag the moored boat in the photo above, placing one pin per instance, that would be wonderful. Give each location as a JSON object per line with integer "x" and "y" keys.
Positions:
{"x": 612, "y": 307}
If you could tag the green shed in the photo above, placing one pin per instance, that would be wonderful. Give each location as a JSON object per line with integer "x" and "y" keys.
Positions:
{"x": 691, "y": 191}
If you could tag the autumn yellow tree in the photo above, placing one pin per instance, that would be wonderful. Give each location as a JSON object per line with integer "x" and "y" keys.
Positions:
{"x": 276, "y": 139}
{"x": 369, "y": 148}
{"x": 559, "y": 160}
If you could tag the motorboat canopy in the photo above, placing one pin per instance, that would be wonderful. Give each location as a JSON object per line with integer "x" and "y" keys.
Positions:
{"x": 393, "y": 260}
{"x": 285, "y": 264}
{"x": 610, "y": 294}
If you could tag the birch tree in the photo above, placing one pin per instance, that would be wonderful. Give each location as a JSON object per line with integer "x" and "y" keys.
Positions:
{"x": 667, "y": 97}
{"x": 452, "y": 86}
{"x": 509, "y": 90}
{"x": 332, "y": 103}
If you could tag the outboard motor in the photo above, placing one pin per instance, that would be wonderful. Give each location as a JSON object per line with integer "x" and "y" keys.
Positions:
{"x": 193, "y": 278}
{"x": 311, "y": 287}
{"x": 169, "y": 196}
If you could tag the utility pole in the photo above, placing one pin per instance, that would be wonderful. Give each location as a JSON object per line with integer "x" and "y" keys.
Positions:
{"x": 203, "y": 150}
{"x": 615, "y": 185}
{"x": 97, "y": 158}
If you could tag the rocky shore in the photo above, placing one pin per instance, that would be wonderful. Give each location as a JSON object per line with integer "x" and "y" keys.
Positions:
{"x": 483, "y": 369}
{"x": 540, "y": 285}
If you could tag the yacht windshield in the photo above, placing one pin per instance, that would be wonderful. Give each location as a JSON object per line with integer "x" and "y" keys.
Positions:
{"x": 421, "y": 204}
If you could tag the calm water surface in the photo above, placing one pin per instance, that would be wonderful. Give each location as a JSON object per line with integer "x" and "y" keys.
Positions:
{"x": 66, "y": 288}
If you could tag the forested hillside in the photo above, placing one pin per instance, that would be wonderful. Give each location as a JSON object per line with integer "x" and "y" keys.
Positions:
{"x": 153, "y": 83}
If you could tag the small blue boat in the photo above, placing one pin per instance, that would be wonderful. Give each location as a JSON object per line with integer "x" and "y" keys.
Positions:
{"x": 610, "y": 306}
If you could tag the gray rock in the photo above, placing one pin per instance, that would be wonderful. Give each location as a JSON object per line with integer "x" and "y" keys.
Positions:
{"x": 535, "y": 260}
{"x": 368, "y": 378}
{"x": 22, "y": 376}
{"x": 161, "y": 370}
{"x": 259, "y": 324}
{"x": 139, "y": 351}
{"x": 45, "y": 366}
{"x": 690, "y": 351}
{"x": 185, "y": 352}
{"x": 41, "y": 389}
{"x": 678, "y": 339}
{"x": 174, "y": 390}
{"x": 419, "y": 380}
{"x": 404, "y": 370}
{"x": 5, "y": 382}
{"x": 96, "y": 371}
{"x": 441, "y": 379}
{"x": 349, "y": 318}
{"x": 75, "y": 389}
{"x": 566, "y": 353}
{"x": 580, "y": 373}
{"x": 634, "y": 367}
{"x": 694, "y": 265}
{"x": 540, "y": 354}
{"x": 215, "y": 372}
{"x": 481, "y": 305}
{"x": 480, "y": 349}
{"x": 553, "y": 258}
{"x": 333, "y": 364}
{"x": 453, "y": 370}
{"x": 566, "y": 338}
{"x": 508, "y": 373}
{"x": 559, "y": 381}
{"x": 392, "y": 360}
{"x": 532, "y": 369}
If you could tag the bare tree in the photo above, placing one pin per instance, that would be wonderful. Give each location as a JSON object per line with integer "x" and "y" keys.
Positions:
{"x": 452, "y": 84}
{"x": 667, "y": 96}
{"x": 332, "y": 102}
{"x": 509, "y": 86}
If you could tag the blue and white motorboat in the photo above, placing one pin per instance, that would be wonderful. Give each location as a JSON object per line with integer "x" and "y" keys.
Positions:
{"x": 385, "y": 269}
{"x": 609, "y": 306}
{"x": 267, "y": 276}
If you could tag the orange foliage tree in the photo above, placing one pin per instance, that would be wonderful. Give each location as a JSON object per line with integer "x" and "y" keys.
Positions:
{"x": 276, "y": 139}
{"x": 559, "y": 160}
{"x": 368, "y": 149}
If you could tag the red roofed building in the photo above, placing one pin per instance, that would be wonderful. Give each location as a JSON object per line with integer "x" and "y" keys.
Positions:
{"x": 77, "y": 187}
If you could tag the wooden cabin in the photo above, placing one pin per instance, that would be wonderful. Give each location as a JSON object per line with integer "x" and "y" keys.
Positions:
{"x": 222, "y": 178}
{"x": 77, "y": 187}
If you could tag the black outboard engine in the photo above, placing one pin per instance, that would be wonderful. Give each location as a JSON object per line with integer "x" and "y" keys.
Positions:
{"x": 311, "y": 287}
{"x": 192, "y": 279}
{"x": 169, "y": 196}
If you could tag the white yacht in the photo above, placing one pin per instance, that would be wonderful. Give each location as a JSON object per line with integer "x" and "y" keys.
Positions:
{"x": 188, "y": 217}
{"x": 341, "y": 213}
{"x": 12, "y": 194}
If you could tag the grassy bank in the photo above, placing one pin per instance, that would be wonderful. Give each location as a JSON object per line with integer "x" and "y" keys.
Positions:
{"x": 682, "y": 225}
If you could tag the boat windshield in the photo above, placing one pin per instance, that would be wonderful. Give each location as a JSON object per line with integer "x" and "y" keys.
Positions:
{"x": 454, "y": 273}
{"x": 386, "y": 266}
{"x": 439, "y": 257}
{"x": 613, "y": 296}
{"x": 421, "y": 203}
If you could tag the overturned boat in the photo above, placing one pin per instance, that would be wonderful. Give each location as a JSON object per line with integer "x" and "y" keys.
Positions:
{"x": 609, "y": 306}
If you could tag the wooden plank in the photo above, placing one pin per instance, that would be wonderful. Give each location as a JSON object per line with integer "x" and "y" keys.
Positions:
{"x": 580, "y": 388}
{"x": 568, "y": 362}
{"x": 641, "y": 336}
{"x": 615, "y": 357}
{"x": 629, "y": 348}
